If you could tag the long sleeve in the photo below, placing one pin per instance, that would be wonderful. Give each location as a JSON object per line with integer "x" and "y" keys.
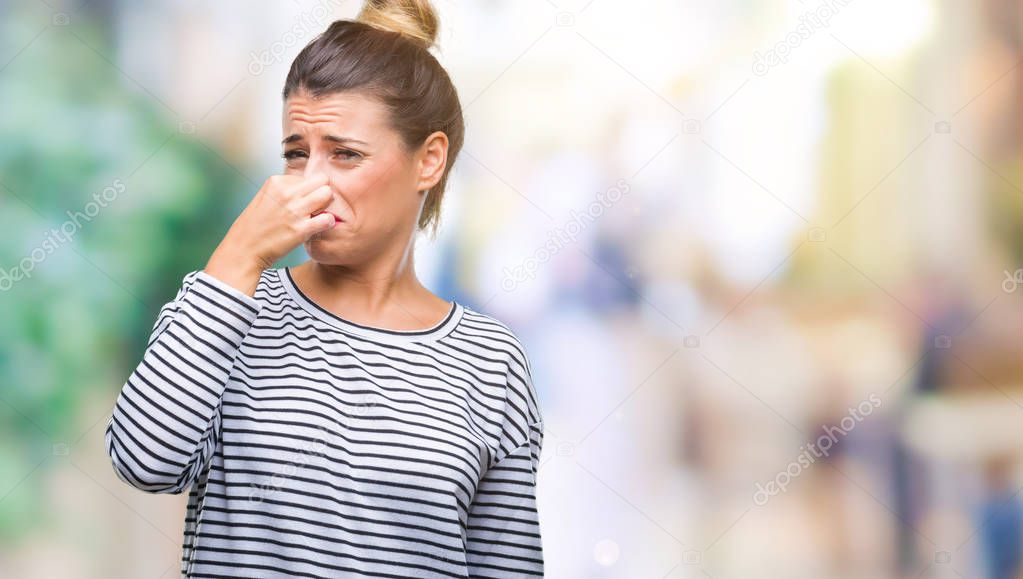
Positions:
{"x": 503, "y": 528}
{"x": 166, "y": 419}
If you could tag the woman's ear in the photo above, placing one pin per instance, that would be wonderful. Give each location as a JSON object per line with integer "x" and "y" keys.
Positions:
{"x": 432, "y": 160}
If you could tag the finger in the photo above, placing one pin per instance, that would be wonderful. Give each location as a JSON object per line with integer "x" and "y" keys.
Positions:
{"x": 318, "y": 223}
{"x": 308, "y": 184}
{"x": 314, "y": 201}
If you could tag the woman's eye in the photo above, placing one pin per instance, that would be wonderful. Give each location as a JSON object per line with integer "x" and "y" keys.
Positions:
{"x": 347, "y": 155}
{"x": 343, "y": 153}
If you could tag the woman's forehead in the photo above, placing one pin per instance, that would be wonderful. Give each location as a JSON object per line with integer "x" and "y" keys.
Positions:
{"x": 351, "y": 109}
{"x": 345, "y": 104}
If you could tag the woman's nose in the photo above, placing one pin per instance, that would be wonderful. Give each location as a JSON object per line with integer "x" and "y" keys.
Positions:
{"x": 315, "y": 165}
{"x": 310, "y": 174}
{"x": 314, "y": 173}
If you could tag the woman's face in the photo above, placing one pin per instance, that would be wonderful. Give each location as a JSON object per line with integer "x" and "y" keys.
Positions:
{"x": 378, "y": 188}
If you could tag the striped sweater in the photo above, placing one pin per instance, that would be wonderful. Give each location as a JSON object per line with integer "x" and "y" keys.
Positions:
{"x": 313, "y": 446}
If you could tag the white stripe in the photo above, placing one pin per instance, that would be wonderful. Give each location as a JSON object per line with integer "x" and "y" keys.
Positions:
{"x": 314, "y": 446}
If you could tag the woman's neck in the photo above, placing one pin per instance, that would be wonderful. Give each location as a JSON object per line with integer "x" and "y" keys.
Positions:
{"x": 381, "y": 294}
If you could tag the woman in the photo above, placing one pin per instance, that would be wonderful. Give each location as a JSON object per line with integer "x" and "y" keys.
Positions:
{"x": 337, "y": 418}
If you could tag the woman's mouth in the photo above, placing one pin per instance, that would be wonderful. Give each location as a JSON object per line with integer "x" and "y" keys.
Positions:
{"x": 336, "y": 218}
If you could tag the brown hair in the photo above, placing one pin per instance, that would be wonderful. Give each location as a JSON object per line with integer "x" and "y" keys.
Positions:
{"x": 384, "y": 53}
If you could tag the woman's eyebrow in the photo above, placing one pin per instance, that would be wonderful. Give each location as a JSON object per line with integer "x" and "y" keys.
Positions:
{"x": 332, "y": 138}
{"x": 344, "y": 140}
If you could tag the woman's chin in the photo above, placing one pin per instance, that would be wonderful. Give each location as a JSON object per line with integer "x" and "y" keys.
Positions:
{"x": 322, "y": 249}
{"x": 327, "y": 235}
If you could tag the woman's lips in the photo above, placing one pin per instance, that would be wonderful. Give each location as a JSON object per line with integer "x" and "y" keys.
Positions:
{"x": 336, "y": 218}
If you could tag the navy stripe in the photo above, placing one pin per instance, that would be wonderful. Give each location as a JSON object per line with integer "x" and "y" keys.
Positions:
{"x": 314, "y": 446}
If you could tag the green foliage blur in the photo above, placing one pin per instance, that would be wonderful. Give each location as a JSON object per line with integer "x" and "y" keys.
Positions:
{"x": 74, "y": 327}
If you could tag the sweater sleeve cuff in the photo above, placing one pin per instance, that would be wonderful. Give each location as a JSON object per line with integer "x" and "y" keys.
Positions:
{"x": 240, "y": 308}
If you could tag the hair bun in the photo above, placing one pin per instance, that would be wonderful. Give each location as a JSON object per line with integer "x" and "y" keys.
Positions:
{"x": 415, "y": 19}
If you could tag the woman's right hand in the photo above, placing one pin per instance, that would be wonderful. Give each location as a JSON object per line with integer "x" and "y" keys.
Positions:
{"x": 284, "y": 213}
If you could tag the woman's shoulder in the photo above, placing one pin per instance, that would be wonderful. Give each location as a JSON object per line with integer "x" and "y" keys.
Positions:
{"x": 503, "y": 341}
{"x": 270, "y": 286}
{"x": 496, "y": 335}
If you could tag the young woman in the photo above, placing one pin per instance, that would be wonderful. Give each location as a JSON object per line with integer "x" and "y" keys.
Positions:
{"x": 336, "y": 418}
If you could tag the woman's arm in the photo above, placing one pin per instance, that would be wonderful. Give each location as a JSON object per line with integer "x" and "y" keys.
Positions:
{"x": 166, "y": 420}
{"x": 503, "y": 529}
{"x": 503, "y": 525}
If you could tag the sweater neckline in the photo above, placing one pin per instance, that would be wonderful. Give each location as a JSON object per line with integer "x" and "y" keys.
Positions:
{"x": 438, "y": 330}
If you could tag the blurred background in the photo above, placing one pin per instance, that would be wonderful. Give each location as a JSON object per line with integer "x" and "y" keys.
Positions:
{"x": 764, "y": 256}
